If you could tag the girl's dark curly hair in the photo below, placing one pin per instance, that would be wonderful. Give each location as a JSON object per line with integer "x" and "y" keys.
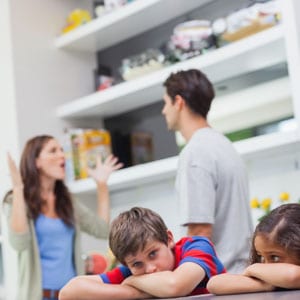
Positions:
{"x": 282, "y": 227}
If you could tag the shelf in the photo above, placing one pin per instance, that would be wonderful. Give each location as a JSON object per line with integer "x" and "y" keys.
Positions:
{"x": 251, "y": 106}
{"x": 129, "y": 177}
{"x": 270, "y": 144}
{"x": 253, "y": 53}
{"x": 124, "y": 23}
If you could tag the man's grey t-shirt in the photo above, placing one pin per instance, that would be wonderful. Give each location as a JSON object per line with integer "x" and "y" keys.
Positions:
{"x": 212, "y": 187}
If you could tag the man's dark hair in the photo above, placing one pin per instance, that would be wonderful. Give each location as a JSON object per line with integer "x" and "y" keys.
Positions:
{"x": 194, "y": 87}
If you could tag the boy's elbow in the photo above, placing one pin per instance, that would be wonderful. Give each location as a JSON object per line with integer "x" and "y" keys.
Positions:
{"x": 63, "y": 294}
{"x": 174, "y": 289}
{"x": 212, "y": 285}
{"x": 66, "y": 293}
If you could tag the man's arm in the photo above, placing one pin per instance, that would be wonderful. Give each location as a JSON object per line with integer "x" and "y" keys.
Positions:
{"x": 204, "y": 229}
{"x": 180, "y": 282}
{"x": 91, "y": 287}
{"x": 236, "y": 284}
{"x": 277, "y": 274}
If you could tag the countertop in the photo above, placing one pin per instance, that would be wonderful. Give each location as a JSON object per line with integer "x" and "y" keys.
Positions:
{"x": 289, "y": 295}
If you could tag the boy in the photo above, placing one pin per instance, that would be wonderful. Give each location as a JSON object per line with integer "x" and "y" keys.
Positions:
{"x": 152, "y": 264}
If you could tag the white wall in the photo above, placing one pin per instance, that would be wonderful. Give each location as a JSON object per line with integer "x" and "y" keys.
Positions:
{"x": 44, "y": 76}
{"x": 34, "y": 78}
{"x": 8, "y": 131}
{"x": 271, "y": 175}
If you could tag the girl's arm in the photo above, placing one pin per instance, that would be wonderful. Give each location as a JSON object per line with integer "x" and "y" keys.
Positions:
{"x": 101, "y": 174}
{"x": 236, "y": 284}
{"x": 18, "y": 218}
{"x": 276, "y": 274}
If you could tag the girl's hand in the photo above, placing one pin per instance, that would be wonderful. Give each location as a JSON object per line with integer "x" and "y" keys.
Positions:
{"x": 103, "y": 169}
{"x": 252, "y": 270}
{"x": 16, "y": 178}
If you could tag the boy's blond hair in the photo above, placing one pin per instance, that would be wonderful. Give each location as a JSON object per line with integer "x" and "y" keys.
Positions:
{"x": 132, "y": 229}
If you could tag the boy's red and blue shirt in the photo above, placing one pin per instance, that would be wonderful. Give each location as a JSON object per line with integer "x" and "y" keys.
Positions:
{"x": 196, "y": 249}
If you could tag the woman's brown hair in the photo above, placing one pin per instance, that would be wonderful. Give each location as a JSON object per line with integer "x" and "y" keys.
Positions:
{"x": 32, "y": 188}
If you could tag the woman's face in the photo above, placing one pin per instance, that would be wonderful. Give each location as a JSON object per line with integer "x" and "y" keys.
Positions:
{"x": 268, "y": 252}
{"x": 51, "y": 161}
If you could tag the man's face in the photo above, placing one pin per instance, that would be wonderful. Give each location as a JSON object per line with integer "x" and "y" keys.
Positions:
{"x": 155, "y": 257}
{"x": 170, "y": 112}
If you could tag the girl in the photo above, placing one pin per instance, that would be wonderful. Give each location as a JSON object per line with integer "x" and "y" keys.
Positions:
{"x": 44, "y": 222}
{"x": 275, "y": 256}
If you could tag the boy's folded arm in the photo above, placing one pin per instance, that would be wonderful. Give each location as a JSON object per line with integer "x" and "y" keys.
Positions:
{"x": 236, "y": 284}
{"x": 91, "y": 287}
{"x": 180, "y": 282}
{"x": 277, "y": 274}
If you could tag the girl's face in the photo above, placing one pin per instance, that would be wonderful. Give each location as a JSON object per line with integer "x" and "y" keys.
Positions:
{"x": 268, "y": 252}
{"x": 51, "y": 161}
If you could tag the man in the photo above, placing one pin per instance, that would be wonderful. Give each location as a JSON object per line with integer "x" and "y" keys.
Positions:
{"x": 211, "y": 181}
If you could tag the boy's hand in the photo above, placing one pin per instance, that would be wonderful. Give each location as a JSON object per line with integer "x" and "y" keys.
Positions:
{"x": 103, "y": 169}
{"x": 128, "y": 280}
{"x": 16, "y": 178}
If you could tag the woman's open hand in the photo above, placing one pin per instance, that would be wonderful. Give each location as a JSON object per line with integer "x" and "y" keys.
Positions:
{"x": 103, "y": 169}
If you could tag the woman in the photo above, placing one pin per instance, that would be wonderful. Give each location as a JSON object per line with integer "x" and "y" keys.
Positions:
{"x": 45, "y": 222}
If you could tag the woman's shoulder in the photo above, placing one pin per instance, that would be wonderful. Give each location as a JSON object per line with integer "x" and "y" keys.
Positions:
{"x": 8, "y": 197}
{"x": 7, "y": 203}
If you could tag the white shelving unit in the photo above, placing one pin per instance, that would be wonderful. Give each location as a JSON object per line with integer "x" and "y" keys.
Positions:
{"x": 256, "y": 52}
{"x": 253, "y": 53}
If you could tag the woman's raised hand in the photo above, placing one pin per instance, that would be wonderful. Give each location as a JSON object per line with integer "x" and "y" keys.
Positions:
{"x": 16, "y": 178}
{"x": 103, "y": 169}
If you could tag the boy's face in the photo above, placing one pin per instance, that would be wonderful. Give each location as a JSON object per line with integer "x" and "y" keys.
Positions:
{"x": 155, "y": 257}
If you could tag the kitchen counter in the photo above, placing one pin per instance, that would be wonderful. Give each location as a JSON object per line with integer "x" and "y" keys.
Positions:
{"x": 280, "y": 295}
